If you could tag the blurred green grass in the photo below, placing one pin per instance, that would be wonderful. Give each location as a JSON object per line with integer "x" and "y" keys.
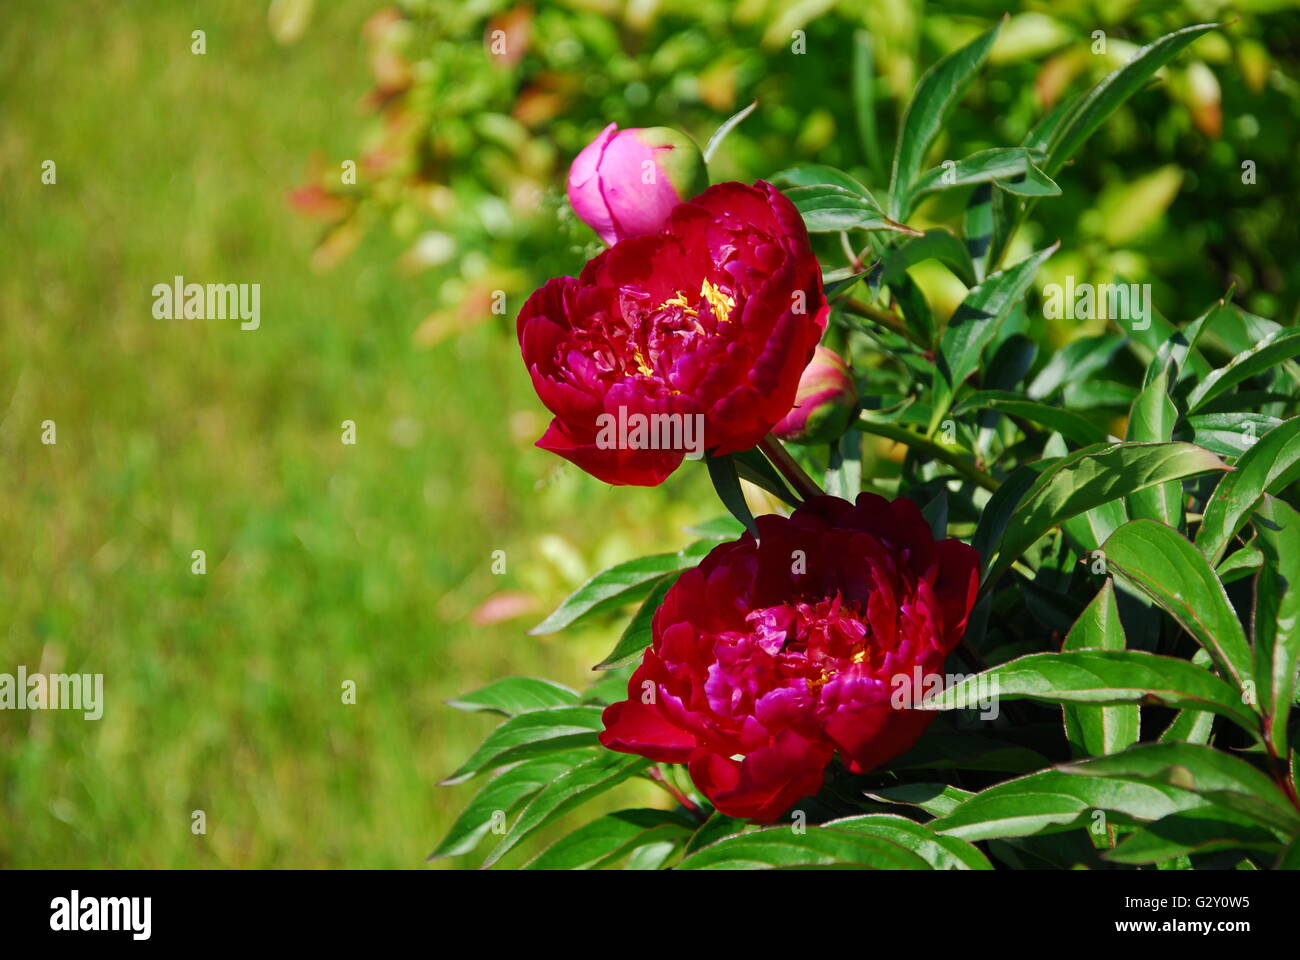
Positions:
{"x": 326, "y": 562}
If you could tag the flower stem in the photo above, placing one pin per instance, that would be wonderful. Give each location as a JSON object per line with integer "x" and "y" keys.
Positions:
{"x": 925, "y": 445}
{"x": 658, "y": 777}
{"x": 803, "y": 484}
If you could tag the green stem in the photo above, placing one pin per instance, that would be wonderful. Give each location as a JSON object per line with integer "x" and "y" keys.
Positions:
{"x": 803, "y": 484}
{"x": 925, "y": 445}
{"x": 890, "y": 321}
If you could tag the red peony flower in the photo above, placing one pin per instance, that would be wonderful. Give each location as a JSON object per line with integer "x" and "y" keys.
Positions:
{"x": 773, "y": 655}
{"x": 678, "y": 342}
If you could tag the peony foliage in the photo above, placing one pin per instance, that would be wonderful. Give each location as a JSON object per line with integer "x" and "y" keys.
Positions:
{"x": 1068, "y": 636}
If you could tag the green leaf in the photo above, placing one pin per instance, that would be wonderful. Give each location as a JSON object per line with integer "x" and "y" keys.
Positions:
{"x": 584, "y": 782}
{"x": 935, "y": 244}
{"x": 936, "y": 799}
{"x": 1113, "y": 90}
{"x": 1230, "y": 434}
{"x": 726, "y": 483}
{"x": 1238, "y": 565}
{"x": 831, "y": 209}
{"x": 1219, "y": 777}
{"x": 619, "y": 585}
{"x": 1290, "y": 859}
{"x": 1052, "y": 801}
{"x": 819, "y": 175}
{"x": 1074, "y": 363}
{"x": 726, "y": 127}
{"x": 718, "y": 825}
{"x": 935, "y": 97}
{"x": 529, "y": 734}
{"x": 1089, "y": 478}
{"x": 979, "y": 225}
{"x": 1151, "y": 419}
{"x": 515, "y": 695}
{"x": 864, "y": 99}
{"x": 1203, "y": 830}
{"x": 1011, "y": 168}
{"x": 1070, "y": 425}
{"x": 1276, "y": 620}
{"x": 1099, "y": 730}
{"x": 501, "y": 796}
{"x": 719, "y": 528}
{"x": 942, "y": 853}
{"x": 638, "y": 633}
{"x": 1271, "y": 465}
{"x": 843, "y": 477}
{"x": 1189, "y": 726}
{"x": 1164, "y": 565}
{"x": 753, "y": 466}
{"x": 608, "y": 839}
{"x": 1100, "y": 677}
{"x": 1001, "y": 507}
{"x": 975, "y": 323}
{"x": 1262, "y": 357}
{"x": 816, "y": 846}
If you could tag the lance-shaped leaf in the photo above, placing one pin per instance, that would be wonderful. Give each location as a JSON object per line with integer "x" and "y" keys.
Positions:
{"x": 1151, "y": 419}
{"x": 936, "y": 95}
{"x": 1215, "y": 775}
{"x": 817, "y": 175}
{"x": 1099, "y": 730}
{"x": 816, "y": 846}
{"x": 1098, "y": 677}
{"x": 1262, "y": 357}
{"x": 530, "y": 734}
{"x": 726, "y": 483}
{"x": 572, "y": 788}
{"x": 1269, "y": 466}
{"x": 725, "y": 128}
{"x": 1276, "y": 621}
{"x": 941, "y": 852}
{"x": 639, "y": 631}
{"x": 936, "y": 244}
{"x": 1070, "y": 425}
{"x": 621, "y": 584}
{"x": 1052, "y": 801}
{"x": 936, "y": 799}
{"x": 1088, "y": 478}
{"x": 1229, "y": 434}
{"x": 1011, "y": 168}
{"x": 1164, "y": 565}
{"x": 1203, "y": 830}
{"x": 1100, "y": 102}
{"x": 974, "y": 324}
{"x": 515, "y": 695}
{"x": 826, "y": 208}
{"x": 501, "y": 796}
{"x": 608, "y": 839}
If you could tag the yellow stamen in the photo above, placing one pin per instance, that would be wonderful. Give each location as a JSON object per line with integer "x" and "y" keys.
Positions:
{"x": 721, "y": 303}
{"x": 644, "y": 368}
{"x": 680, "y": 301}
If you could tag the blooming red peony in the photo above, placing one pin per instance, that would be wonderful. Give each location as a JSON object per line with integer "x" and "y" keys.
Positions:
{"x": 701, "y": 328}
{"x": 773, "y": 655}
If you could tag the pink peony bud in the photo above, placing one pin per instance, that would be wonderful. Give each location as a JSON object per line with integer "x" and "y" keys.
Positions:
{"x": 824, "y": 402}
{"x": 625, "y": 182}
